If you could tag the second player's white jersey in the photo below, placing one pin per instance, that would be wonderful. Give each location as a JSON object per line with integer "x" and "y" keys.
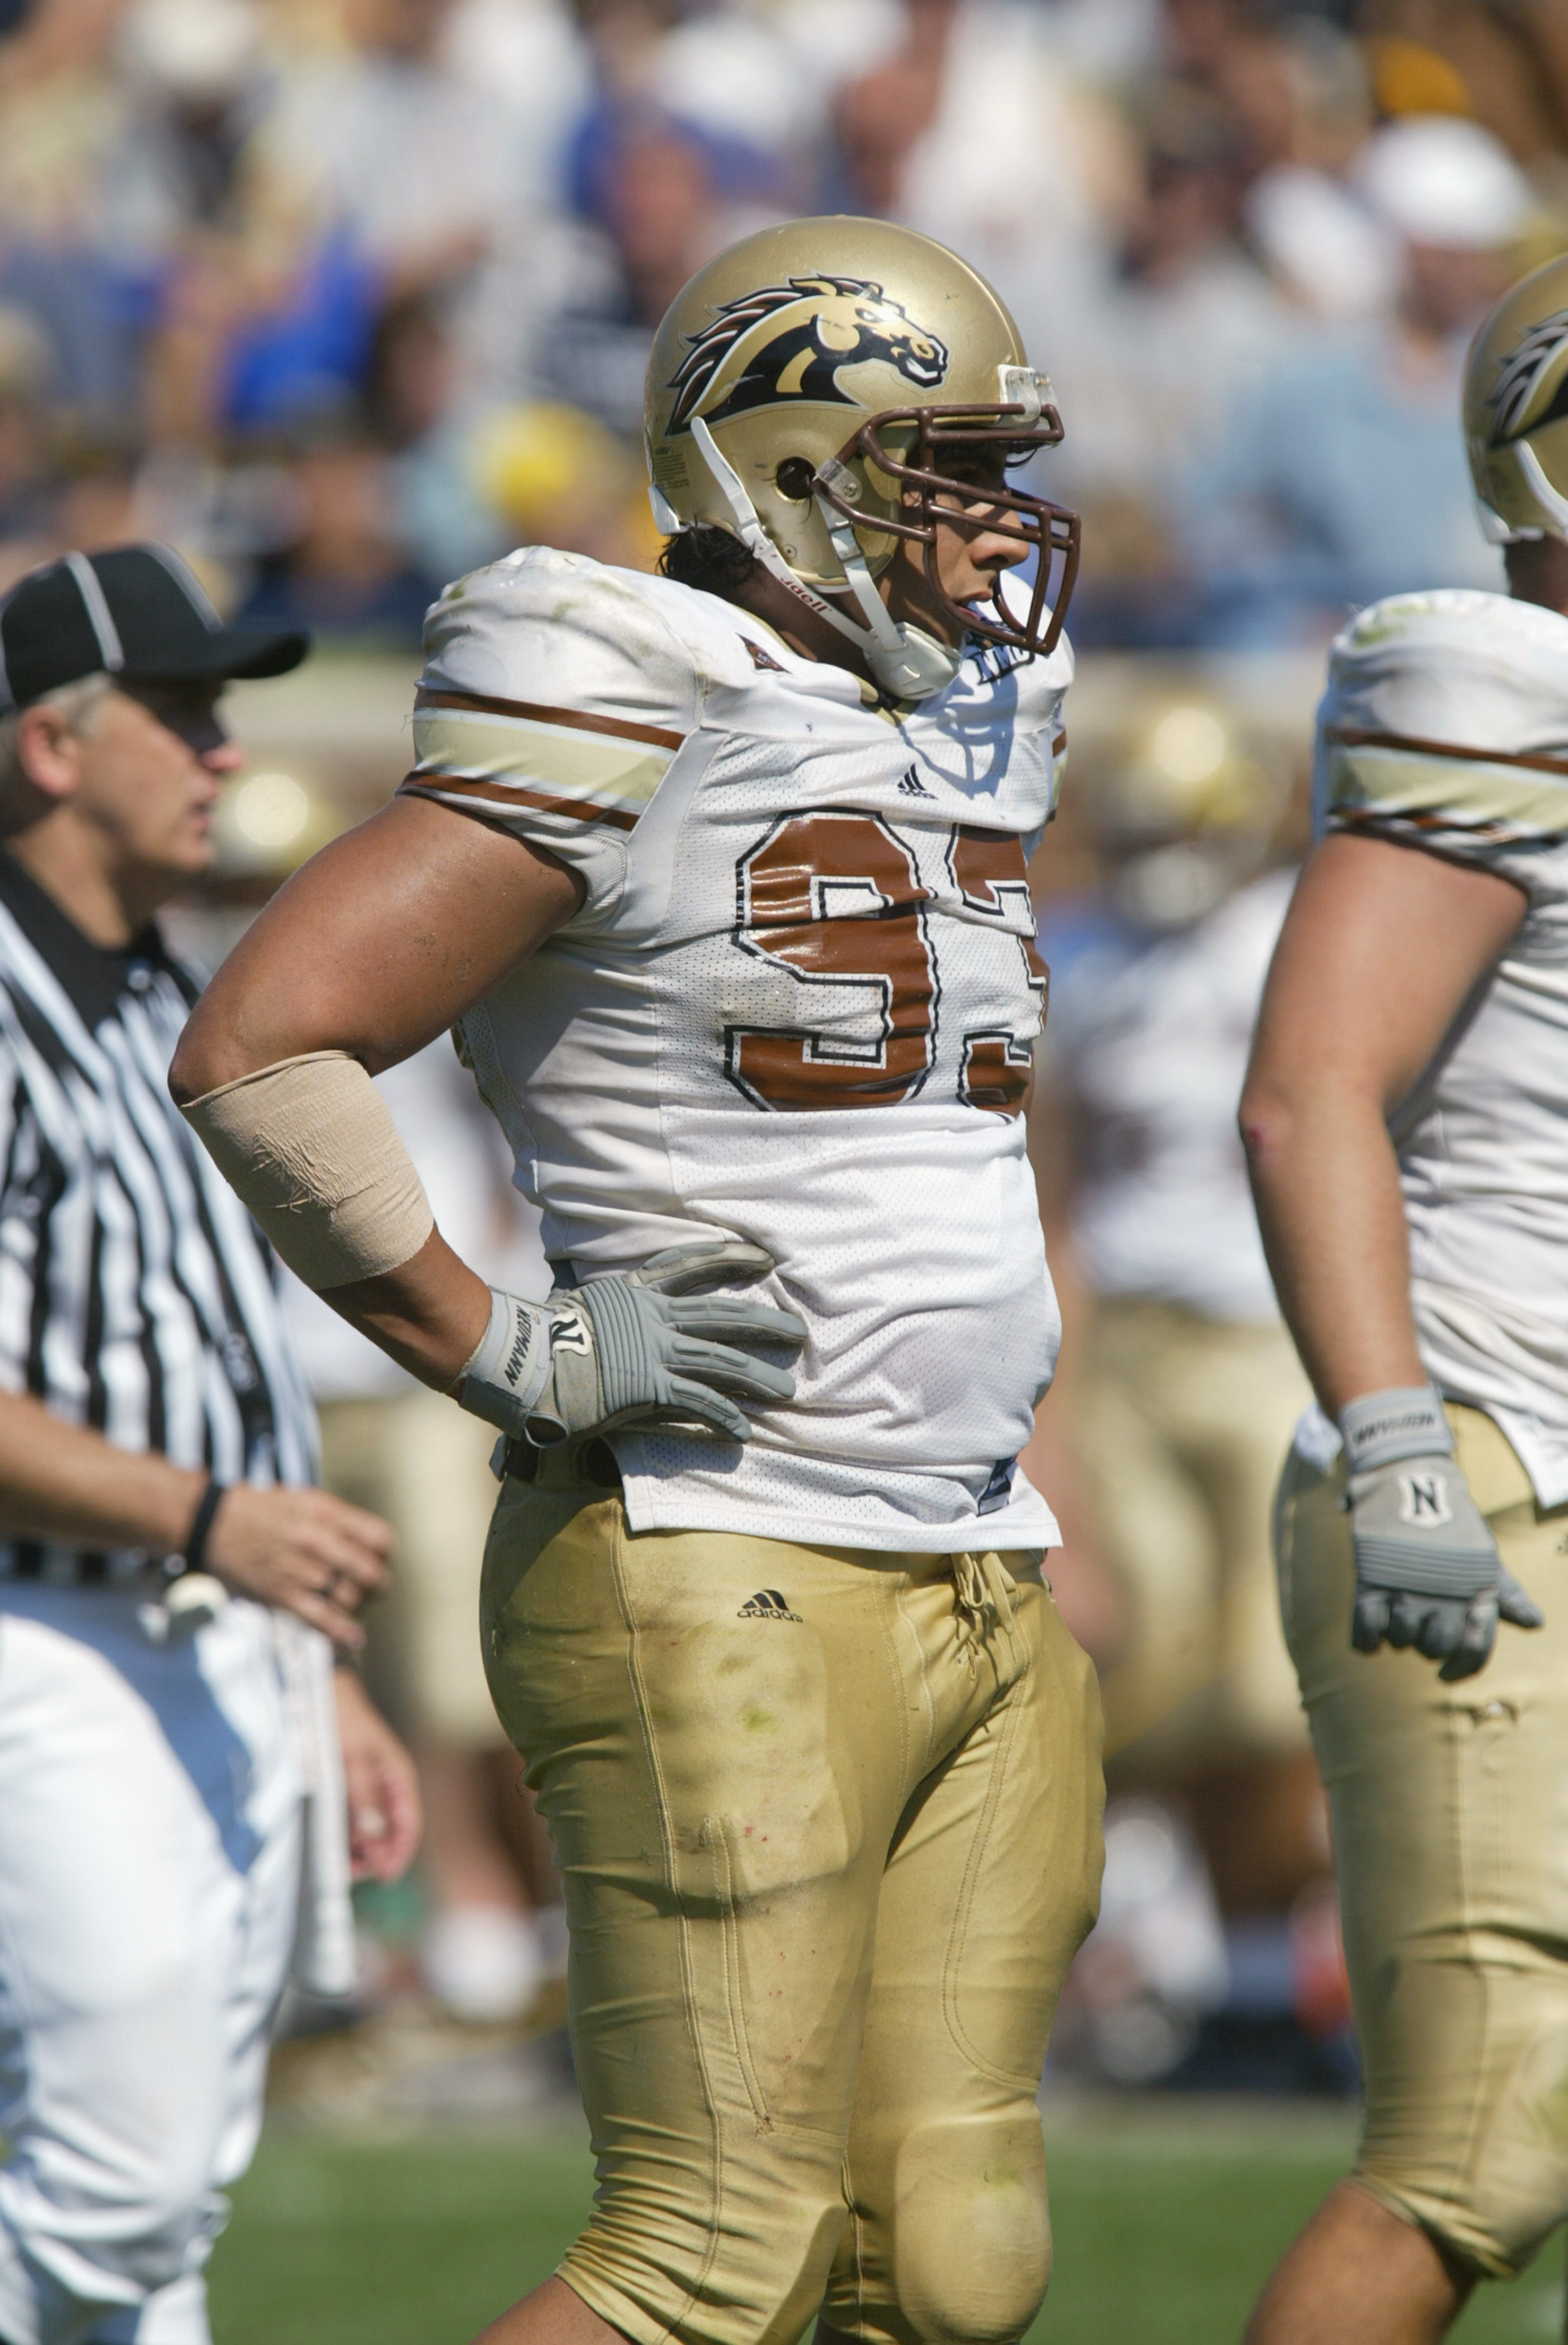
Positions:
{"x": 1150, "y": 1033}
{"x": 1445, "y": 726}
{"x": 797, "y": 1006}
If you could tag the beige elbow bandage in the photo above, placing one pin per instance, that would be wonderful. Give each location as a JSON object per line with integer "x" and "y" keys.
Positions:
{"x": 310, "y": 1146}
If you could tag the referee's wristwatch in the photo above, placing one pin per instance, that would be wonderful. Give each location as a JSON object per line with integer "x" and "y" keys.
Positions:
{"x": 192, "y": 1598}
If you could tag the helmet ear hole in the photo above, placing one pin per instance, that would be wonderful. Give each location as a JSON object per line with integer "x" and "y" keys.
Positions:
{"x": 794, "y": 478}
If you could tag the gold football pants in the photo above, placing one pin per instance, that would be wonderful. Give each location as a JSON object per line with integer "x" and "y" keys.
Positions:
{"x": 828, "y": 1823}
{"x": 1450, "y": 1841}
{"x": 1182, "y": 1421}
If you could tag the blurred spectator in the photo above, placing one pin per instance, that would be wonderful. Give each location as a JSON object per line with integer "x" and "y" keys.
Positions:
{"x": 381, "y": 171}
{"x": 342, "y": 564}
{"x": 99, "y": 494}
{"x": 1319, "y": 241}
{"x": 65, "y": 114}
{"x": 195, "y": 78}
{"x": 533, "y": 473}
{"x": 438, "y": 512}
{"x": 1342, "y": 477}
{"x": 528, "y": 56}
{"x": 754, "y": 79}
{"x": 1237, "y": 51}
{"x": 1187, "y": 325}
{"x": 978, "y": 132}
{"x": 734, "y": 77}
{"x": 486, "y": 1871}
{"x": 1508, "y": 66}
{"x": 658, "y": 199}
{"x": 558, "y": 478}
{"x": 25, "y": 368}
{"x": 387, "y": 145}
{"x": 1109, "y": 42}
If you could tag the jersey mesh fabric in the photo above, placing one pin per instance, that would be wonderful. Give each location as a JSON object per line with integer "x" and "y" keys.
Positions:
{"x": 816, "y": 892}
{"x": 1445, "y": 727}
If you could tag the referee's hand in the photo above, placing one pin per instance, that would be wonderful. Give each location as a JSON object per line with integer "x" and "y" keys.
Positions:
{"x": 302, "y": 1550}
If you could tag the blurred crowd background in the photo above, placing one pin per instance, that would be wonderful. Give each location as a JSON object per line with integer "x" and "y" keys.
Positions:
{"x": 344, "y": 297}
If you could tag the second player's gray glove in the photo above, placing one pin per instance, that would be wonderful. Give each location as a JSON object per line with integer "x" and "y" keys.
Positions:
{"x": 639, "y": 1347}
{"x": 1428, "y": 1572}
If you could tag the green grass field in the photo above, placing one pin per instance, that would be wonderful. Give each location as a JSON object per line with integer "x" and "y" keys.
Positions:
{"x": 1166, "y": 2220}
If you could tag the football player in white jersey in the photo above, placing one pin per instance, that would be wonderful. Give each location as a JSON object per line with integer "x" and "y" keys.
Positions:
{"x": 721, "y": 877}
{"x": 1407, "y": 1116}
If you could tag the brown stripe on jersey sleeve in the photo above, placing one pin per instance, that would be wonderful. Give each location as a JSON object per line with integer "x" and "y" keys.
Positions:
{"x": 1377, "y": 818}
{"x": 1354, "y": 736}
{"x": 506, "y": 797}
{"x": 577, "y": 720}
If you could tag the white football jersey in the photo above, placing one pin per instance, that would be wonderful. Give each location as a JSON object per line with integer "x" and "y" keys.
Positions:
{"x": 797, "y": 1006}
{"x": 1445, "y": 726}
{"x": 1151, "y": 1033}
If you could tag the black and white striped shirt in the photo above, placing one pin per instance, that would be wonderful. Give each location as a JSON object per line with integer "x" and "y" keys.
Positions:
{"x": 137, "y": 1296}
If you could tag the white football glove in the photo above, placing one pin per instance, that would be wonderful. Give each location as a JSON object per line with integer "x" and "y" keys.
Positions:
{"x": 635, "y": 1348}
{"x": 1428, "y": 1572}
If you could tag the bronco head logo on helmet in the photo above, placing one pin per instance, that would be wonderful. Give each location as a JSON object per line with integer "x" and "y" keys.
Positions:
{"x": 789, "y": 342}
{"x": 831, "y": 386}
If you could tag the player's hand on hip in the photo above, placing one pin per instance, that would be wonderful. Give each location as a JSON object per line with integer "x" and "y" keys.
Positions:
{"x": 640, "y": 1348}
{"x": 1428, "y": 1571}
{"x": 303, "y": 1551}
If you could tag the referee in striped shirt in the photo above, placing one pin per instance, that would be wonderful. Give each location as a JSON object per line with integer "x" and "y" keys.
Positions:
{"x": 174, "y": 1743}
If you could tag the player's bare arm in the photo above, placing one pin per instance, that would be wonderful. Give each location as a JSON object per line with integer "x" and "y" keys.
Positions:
{"x": 443, "y": 908}
{"x": 1380, "y": 949}
{"x": 376, "y": 947}
{"x": 381, "y": 941}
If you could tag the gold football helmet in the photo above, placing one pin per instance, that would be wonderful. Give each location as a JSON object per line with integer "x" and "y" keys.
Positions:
{"x": 1516, "y": 410}
{"x": 818, "y": 391}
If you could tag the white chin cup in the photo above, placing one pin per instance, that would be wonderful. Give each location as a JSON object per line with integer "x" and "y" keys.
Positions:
{"x": 906, "y": 662}
{"x": 917, "y": 667}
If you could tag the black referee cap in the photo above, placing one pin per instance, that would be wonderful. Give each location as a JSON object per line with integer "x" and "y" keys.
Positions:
{"x": 136, "y": 612}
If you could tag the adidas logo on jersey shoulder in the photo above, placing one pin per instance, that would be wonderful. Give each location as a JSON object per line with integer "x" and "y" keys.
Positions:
{"x": 912, "y": 787}
{"x": 767, "y": 1605}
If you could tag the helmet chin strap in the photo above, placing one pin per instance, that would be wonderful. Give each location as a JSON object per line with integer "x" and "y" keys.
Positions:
{"x": 905, "y": 661}
{"x": 1552, "y": 500}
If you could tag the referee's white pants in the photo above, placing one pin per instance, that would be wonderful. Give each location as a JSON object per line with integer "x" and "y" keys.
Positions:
{"x": 150, "y": 1861}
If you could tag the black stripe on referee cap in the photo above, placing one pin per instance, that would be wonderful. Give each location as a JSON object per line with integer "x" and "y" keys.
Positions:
{"x": 134, "y": 611}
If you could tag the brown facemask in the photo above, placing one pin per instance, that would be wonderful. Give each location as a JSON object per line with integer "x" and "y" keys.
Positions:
{"x": 1049, "y": 529}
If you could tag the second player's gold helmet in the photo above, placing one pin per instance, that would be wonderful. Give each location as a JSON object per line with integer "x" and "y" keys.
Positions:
{"x": 1516, "y": 410}
{"x": 812, "y": 390}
